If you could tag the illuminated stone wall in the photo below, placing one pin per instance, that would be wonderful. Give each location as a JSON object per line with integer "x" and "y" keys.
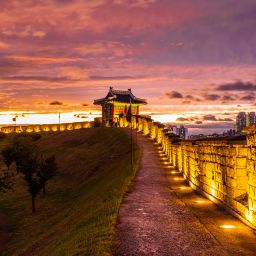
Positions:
{"x": 46, "y": 127}
{"x": 251, "y": 172}
{"x": 218, "y": 168}
{"x": 223, "y": 170}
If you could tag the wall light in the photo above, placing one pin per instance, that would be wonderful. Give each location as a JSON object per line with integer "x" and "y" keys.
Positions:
{"x": 249, "y": 215}
{"x": 199, "y": 201}
{"x": 211, "y": 198}
{"x": 227, "y": 226}
{"x": 183, "y": 188}
{"x": 178, "y": 178}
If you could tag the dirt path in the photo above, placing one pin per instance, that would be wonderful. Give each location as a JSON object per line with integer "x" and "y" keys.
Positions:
{"x": 163, "y": 216}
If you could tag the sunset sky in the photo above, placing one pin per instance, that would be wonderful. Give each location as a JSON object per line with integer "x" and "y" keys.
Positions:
{"x": 194, "y": 60}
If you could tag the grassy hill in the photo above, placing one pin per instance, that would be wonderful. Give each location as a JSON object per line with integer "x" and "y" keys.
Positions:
{"x": 79, "y": 212}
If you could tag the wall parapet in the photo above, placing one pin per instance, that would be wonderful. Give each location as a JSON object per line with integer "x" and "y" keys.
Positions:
{"x": 45, "y": 127}
{"x": 224, "y": 169}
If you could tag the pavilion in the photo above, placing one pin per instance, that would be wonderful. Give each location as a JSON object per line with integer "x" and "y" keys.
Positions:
{"x": 116, "y": 104}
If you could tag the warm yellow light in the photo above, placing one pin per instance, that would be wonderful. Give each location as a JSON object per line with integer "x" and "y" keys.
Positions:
{"x": 213, "y": 191}
{"x": 178, "y": 178}
{"x": 211, "y": 198}
{"x": 227, "y": 226}
{"x": 249, "y": 215}
{"x": 174, "y": 172}
{"x": 192, "y": 185}
{"x": 199, "y": 201}
{"x": 183, "y": 188}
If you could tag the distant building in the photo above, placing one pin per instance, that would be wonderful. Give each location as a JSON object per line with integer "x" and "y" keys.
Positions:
{"x": 181, "y": 131}
{"x": 251, "y": 118}
{"x": 174, "y": 128}
{"x": 240, "y": 121}
{"x": 117, "y": 103}
{"x": 245, "y": 119}
{"x": 196, "y": 136}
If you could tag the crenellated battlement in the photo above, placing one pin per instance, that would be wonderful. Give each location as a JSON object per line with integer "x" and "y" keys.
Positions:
{"x": 46, "y": 127}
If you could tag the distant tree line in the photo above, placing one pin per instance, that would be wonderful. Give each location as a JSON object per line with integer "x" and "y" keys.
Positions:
{"x": 35, "y": 168}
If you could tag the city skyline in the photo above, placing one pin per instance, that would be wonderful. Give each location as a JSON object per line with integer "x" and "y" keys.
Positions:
{"x": 194, "y": 61}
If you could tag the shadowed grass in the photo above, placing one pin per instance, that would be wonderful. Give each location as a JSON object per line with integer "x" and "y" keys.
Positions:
{"x": 79, "y": 213}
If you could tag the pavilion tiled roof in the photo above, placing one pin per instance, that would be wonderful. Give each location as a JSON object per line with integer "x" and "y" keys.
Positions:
{"x": 120, "y": 96}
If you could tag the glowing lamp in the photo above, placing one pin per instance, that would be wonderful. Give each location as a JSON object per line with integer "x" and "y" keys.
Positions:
{"x": 211, "y": 198}
{"x": 178, "y": 179}
{"x": 199, "y": 201}
{"x": 227, "y": 226}
{"x": 183, "y": 188}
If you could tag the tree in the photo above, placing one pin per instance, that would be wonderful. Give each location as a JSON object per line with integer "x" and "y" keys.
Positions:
{"x": 5, "y": 182}
{"x": 34, "y": 186}
{"x": 47, "y": 170}
{"x": 29, "y": 167}
{"x": 25, "y": 154}
{"x": 5, "y": 177}
{"x": 23, "y": 147}
{"x": 8, "y": 156}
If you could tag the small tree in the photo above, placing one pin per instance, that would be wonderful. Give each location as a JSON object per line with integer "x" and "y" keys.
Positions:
{"x": 34, "y": 186}
{"x": 5, "y": 176}
{"x": 26, "y": 158}
{"x": 47, "y": 170}
{"x": 29, "y": 167}
{"x": 5, "y": 182}
{"x": 24, "y": 153}
{"x": 23, "y": 148}
{"x": 8, "y": 156}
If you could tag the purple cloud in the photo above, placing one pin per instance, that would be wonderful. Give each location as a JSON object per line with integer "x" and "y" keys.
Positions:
{"x": 174, "y": 95}
{"x": 237, "y": 86}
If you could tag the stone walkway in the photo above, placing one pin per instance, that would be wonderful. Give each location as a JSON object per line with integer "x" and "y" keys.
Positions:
{"x": 162, "y": 215}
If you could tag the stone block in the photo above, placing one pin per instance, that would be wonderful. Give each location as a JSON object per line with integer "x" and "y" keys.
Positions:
{"x": 236, "y": 192}
{"x": 241, "y": 172}
{"x": 231, "y": 182}
{"x": 242, "y": 183}
{"x": 241, "y": 151}
{"x": 230, "y": 172}
{"x": 241, "y": 162}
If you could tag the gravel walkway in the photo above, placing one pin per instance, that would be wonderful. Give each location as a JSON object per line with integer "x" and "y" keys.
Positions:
{"x": 163, "y": 216}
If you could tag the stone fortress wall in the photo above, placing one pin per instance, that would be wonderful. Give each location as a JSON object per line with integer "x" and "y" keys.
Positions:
{"x": 46, "y": 127}
{"x": 223, "y": 169}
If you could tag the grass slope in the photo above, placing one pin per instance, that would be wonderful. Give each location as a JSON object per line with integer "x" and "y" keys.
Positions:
{"x": 78, "y": 215}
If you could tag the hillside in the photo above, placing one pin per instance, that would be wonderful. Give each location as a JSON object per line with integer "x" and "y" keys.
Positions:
{"x": 78, "y": 214}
